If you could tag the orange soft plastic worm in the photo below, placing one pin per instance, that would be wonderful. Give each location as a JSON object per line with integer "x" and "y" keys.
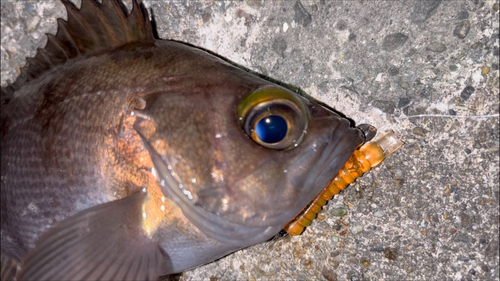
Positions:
{"x": 361, "y": 161}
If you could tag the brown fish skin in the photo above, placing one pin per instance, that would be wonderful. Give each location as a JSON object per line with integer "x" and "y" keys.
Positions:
{"x": 93, "y": 133}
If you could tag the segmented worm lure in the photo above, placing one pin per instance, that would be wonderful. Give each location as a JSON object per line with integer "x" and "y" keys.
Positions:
{"x": 361, "y": 161}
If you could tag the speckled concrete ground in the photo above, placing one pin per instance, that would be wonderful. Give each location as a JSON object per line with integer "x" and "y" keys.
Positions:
{"x": 426, "y": 69}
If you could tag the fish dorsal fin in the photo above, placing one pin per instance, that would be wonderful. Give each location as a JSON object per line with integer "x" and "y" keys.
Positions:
{"x": 89, "y": 30}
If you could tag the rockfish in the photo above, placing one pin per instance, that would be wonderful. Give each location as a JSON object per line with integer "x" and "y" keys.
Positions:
{"x": 128, "y": 157}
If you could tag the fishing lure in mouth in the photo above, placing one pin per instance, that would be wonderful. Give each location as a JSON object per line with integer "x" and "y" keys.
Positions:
{"x": 368, "y": 156}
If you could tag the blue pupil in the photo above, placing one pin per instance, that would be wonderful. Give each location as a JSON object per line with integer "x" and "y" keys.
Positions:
{"x": 271, "y": 129}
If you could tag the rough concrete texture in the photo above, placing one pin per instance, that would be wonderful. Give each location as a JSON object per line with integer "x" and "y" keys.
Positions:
{"x": 426, "y": 69}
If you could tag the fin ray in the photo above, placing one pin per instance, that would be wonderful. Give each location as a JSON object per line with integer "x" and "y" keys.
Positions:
{"x": 8, "y": 268}
{"x": 104, "y": 242}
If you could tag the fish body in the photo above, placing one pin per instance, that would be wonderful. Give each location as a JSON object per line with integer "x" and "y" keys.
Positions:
{"x": 128, "y": 157}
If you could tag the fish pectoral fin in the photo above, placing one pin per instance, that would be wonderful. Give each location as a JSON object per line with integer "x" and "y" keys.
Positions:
{"x": 105, "y": 242}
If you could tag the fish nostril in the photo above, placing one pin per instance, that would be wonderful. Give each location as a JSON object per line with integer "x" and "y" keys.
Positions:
{"x": 368, "y": 130}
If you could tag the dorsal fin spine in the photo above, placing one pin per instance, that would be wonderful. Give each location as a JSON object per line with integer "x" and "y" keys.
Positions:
{"x": 51, "y": 39}
{"x": 63, "y": 33}
{"x": 93, "y": 8}
{"x": 74, "y": 15}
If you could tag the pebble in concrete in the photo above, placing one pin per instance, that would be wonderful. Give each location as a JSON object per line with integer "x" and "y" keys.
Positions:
{"x": 467, "y": 92}
{"x": 394, "y": 41}
{"x": 436, "y": 47}
{"x": 462, "y": 29}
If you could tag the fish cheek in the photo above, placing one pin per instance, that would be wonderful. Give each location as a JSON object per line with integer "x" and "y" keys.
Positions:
{"x": 251, "y": 187}
{"x": 263, "y": 193}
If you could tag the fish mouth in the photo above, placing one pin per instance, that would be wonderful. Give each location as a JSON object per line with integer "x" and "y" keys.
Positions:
{"x": 332, "y": 154}
{"x": 211, "y": 224}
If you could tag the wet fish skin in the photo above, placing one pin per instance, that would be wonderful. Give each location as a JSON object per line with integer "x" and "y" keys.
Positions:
{"x": 84, "y": 135}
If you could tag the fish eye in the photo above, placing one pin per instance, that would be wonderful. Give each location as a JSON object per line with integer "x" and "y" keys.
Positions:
{"x": 271, "y": 129}
{"x": 273, "y": 117}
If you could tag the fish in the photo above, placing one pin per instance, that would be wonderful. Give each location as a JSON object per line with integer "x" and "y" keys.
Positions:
{"x": 124, "y": 156}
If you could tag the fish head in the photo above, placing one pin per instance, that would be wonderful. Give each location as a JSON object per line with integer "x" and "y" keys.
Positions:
{"x": 240, "y": 155}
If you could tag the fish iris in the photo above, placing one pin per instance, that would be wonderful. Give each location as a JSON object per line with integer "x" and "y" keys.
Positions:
{"x": 271, "y": 129}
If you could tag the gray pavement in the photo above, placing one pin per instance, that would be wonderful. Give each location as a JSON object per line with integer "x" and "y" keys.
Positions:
{"x": 426, "y": 69}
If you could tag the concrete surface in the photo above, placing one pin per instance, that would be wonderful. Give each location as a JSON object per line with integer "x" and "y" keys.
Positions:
{"x": 426, "y": 69}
